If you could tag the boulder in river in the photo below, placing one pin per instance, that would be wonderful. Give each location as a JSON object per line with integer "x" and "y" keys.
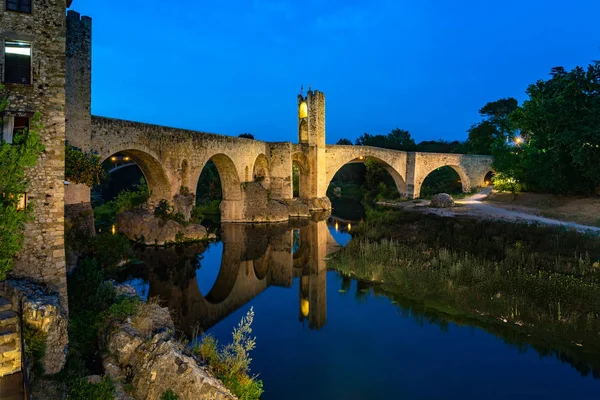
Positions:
{"x": 442, "y": 200}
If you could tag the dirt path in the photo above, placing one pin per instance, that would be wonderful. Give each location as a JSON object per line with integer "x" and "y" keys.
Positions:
{"x": 474, "y": 206}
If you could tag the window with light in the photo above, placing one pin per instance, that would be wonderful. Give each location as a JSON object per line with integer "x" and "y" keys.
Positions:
{"x": 17, "y": 62}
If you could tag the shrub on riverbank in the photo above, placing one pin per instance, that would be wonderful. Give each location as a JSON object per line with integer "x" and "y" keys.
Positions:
{"x": 544, "y": 279}
{"x": 105, "y": 214}
{"x": 231, "y": 363}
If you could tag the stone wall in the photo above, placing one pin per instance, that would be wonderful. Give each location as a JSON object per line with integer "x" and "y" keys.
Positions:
{"x": 43, "y": 256}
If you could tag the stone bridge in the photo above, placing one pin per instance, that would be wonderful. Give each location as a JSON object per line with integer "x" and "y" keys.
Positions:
{"x": 256, "y": 176}
{"x": 172, "y": 158}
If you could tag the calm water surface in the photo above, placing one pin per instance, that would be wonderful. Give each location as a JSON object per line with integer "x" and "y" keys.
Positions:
{"x": 321, "y": 336}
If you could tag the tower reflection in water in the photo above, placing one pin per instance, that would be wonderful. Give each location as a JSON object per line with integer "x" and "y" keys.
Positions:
{"x": 254, "y": 257}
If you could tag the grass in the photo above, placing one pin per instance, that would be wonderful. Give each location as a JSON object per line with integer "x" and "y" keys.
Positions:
{"x": 35, "y": 344}
{"x": 544, "y": 280}
{"x": 81, "y": 389}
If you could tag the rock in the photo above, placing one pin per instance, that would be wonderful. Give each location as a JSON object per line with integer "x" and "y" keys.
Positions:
{"x": 442, "y": 200}
{"x": 154, "y": 361}
{"x": 141, "y": 226}
{"x": 94, "y": 379}
{"x": 42, "y": 310}
{"x": 184, "y": 203}
{"x": 259, "y": 208}
{"x": 297, "y": 208}
{"x": 123, "y": 289}
{"x": 319, "y": 204}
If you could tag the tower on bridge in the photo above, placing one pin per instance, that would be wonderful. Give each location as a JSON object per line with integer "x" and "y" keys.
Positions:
{"x": 311, "y": 118}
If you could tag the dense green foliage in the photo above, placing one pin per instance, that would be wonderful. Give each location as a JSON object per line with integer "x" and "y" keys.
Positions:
{"x": 15, "y": 160}
{"x": 105, "y": 214}
{"x": 560, "y": 128}
{"x": 397, "y": 139}
{"x": 231, "y": 363}
{"x": 543, "y": 280}
{"x": 209, "y": 184}
{"x": 81, "y": 167}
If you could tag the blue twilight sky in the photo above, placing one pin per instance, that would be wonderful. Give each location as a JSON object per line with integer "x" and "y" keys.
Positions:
{"x": 236, "y": 66}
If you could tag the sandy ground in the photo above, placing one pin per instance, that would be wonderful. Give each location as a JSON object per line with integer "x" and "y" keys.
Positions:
{"x": 476, "y": 206}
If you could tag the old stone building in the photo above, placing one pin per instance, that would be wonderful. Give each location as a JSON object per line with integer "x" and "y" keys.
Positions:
{"x": 32, "y": 69}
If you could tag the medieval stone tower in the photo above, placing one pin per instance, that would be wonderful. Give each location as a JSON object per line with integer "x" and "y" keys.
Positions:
{"x": 311, "y": 139}
{"x": 78, "y": 111}
{"x": 32, "y": 69}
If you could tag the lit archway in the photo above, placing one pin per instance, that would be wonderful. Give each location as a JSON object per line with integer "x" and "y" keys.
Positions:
{"x": 152, "y": 170}
{"x": 489, "y": 178}
{"x": 300, "y": 176}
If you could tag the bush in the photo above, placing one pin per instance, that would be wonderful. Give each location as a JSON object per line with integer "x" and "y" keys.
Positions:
{"x": 163, "y": 209}
{"x": 505, "y": 183}
{"x": 127, "y": 200}
{"x": 35, "y": 343}
{"x": 231, "y": 363}
{"x": 80, "y": 167}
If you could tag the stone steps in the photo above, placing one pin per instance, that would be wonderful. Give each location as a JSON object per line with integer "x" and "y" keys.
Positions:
{"x": 5, "y": 304}
{"x": 10, "y": 340}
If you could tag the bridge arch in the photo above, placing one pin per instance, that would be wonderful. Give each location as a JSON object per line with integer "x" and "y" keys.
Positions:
{"x": 155, "y": 174}
{"x": 465, "y": 180}
{"x": 261, "y": 171}
{"x": 396, "y": 176}
{"x": 300, "y": 161}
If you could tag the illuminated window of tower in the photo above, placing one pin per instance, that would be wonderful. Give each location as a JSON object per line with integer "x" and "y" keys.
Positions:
{"x": 303, "y": 112}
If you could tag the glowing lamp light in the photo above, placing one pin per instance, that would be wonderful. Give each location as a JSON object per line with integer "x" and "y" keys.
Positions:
{"x": 336, "y": 226}
{"x": 113, "y": 159}
{"x": 518, "y": 140}
{"x": 361, "y": 157}
{"x": 304, "y": 307}
{"x": 349, "y": 226}
{"x": 113, "y": 230}
{"x": 126, "y": 158}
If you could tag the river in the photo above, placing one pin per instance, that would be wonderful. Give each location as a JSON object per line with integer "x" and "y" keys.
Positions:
{"x": 323, "y": 336}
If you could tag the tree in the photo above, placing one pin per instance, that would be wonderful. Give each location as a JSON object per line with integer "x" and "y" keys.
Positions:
{"x": 397, "y": 139}
{"x": 344, "y": 142}
{"x": 481, "y": 137}
{"x": 560, "y": 124}
{"x": 83, "y": 167}
{"x": 496, "y": 124}
{"x": 441, "y": 146}
{"x": 246, "y": 135}
{"x": 15, "y": 159}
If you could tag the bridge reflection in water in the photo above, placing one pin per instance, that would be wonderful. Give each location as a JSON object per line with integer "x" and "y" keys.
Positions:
{"x": 254, "y": 258}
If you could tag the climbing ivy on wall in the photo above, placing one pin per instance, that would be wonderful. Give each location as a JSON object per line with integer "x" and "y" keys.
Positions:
{"x": 81, "y": 167}
{"x": 15, "y": 159}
